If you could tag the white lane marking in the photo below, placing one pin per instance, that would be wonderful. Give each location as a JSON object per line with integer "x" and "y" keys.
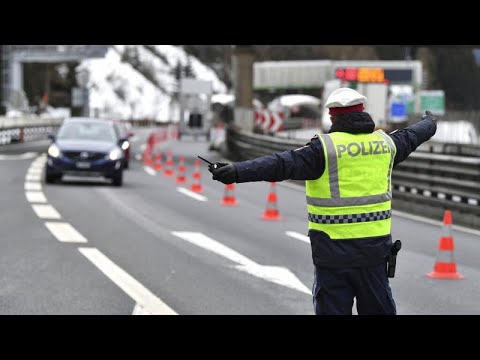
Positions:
{"x": 37, "y": 165}
{"x": 140, "y": 294}
{"x": 34, "y": 177}
{"x": 208, "y": 243}
{"x": 65, "y": 232}
{"x": 149, "y": 170}
{"x": 35, "y": 171}
{"x": 192, "y": 194}
{"x": 276, "y": 274}
{"x": 27, "y": 155}
{"x": 298, "y": 236}
{"x": 434, "y": 222}
{"x": 46, "y": 212}
{"x": 138, "y": 310}
{"x": 33, "y": 185}
{"x": 35, "y": 197}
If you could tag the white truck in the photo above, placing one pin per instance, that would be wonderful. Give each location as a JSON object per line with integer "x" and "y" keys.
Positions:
{"x": 195, "y": 108}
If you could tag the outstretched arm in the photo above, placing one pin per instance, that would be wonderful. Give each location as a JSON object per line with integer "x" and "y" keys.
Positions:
{"x": 304, "y": 163}
{"x": 408, "y": 139}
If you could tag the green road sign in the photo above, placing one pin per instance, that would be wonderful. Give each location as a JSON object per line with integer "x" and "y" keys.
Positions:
{"x": 432, "y": 100}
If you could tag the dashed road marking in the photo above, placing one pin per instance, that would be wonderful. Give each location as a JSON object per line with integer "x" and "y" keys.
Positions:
{"x": 298, "y": 236}
{"x": 146, "y": 302}
{"x": 46, "y": 211}
{"x": 32, "y": 178}
{"x": 33, "y": 185}
{"x": 37, "y": 165}
{"x": 139, "y": 293}
{"x": 149, "y": 170}
{"x": 139, "y": 310}
{"x": 35, "y": 197}
{"x": 65, "y": 232}
{"x": 192, "y": 194}
{"x": 34, "y": 171}
{"x": 277, "y": 274}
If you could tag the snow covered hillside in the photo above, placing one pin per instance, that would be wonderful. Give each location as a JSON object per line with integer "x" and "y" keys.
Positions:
{"x": 136, "y": 82}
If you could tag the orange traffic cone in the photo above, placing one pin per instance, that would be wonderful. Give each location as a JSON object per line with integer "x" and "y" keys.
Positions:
{"x": 169, "y": 165}
{"x": 271, "y": 211}
{"x": 445, "y": 267}
{"x": 157, "y": 164}
{"x": 181, "y": 171}
{"x": 147, "y": 156}
{"x": 229, "y": 198}
{"x": 197, "y": 186}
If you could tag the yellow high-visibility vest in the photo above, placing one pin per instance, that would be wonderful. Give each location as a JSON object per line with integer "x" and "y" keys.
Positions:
{"x": 352, "y": 199}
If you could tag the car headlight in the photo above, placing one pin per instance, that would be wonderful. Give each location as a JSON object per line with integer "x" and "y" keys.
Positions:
{"x": 125, "y": 145}
{"x": 115, "y": 154}
{"x": 54, "y": 151}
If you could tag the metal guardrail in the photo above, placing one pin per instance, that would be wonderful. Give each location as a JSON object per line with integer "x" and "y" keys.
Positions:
{"x": 451, "y": 148}
{"x": 436, "y": 177}
{"x": 30, "y": 128}
{"x": 33, "y": 121}
{"x": 18, "y": 130}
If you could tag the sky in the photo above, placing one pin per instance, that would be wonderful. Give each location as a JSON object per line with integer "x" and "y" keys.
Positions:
{"x": 118, "y": 90}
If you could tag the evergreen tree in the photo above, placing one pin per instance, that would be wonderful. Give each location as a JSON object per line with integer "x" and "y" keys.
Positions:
{"x": 177, "y": 73}
{"x": 188, "y": 69}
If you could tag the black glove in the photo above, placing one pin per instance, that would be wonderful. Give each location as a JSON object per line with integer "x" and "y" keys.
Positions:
{"x": 215, "y": 166}
{"x": 226, "y": 173}
{"x": 429, "y": 115}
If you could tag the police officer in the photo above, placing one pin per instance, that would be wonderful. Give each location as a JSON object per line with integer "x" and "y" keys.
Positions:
{"x": 349, "y": 194}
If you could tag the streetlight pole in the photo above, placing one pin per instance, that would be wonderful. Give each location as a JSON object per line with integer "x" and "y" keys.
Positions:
{"x": 82, "y": 80}
{"x": 243, "y": 56}
{"x": 2, "y": 80}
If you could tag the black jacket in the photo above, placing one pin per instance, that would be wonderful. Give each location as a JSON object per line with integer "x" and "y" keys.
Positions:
{"x": 308, "y": 163}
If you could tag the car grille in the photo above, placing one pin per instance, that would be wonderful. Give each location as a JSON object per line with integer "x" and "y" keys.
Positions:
{"x": 76, "y": 155}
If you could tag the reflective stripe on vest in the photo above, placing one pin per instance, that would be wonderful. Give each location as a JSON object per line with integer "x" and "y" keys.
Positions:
{"x": 352, "y": 199}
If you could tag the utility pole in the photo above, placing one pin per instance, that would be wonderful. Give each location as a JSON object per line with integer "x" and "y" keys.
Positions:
{"x": 243, "y": 57}
{"x": 2, "y": 80}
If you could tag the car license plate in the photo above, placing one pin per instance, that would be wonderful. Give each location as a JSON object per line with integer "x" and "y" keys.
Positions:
{"x": 83, "y": 165}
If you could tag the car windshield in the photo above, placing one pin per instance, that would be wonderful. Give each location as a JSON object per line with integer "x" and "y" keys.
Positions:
{"x": 95, "y": 131}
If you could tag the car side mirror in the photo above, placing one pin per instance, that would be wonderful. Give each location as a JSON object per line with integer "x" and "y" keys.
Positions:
{"x": 51, "y": 136}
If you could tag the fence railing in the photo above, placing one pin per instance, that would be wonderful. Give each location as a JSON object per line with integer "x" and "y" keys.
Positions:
{"x": 436, "y": 177}
{"x": 30, "y": 128}
{"x": 18, "y": 130}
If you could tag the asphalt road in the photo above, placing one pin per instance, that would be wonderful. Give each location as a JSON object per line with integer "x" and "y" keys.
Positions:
{"x": 153, "y": 246}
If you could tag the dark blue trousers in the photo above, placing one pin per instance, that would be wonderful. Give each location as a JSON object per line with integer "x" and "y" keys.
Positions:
{"x": 334, "y": 291}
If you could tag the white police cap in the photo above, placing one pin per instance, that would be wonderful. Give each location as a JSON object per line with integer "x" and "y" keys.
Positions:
{"x": 345, "y": 97}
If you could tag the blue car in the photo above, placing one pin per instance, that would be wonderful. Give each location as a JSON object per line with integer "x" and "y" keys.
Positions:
{"x": 85, "y": 147}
